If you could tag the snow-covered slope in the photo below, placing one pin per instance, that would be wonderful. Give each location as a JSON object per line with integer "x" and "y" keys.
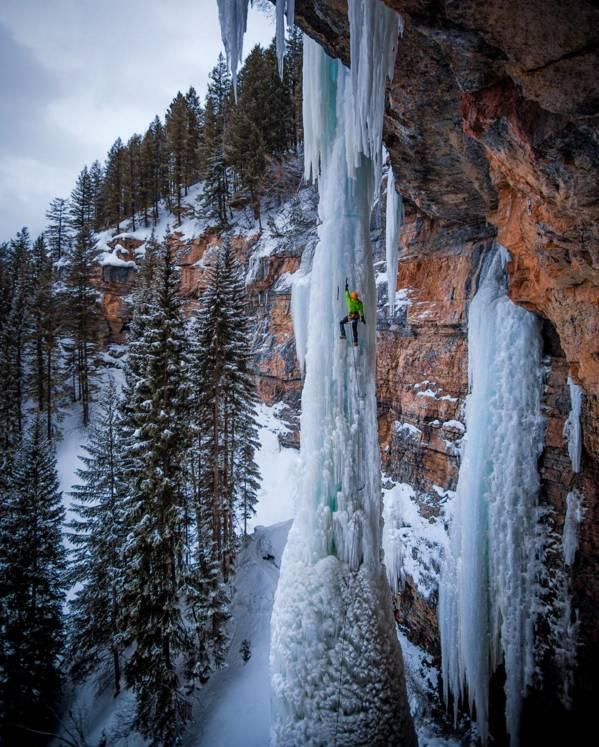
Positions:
{"x": 235, "y": 704}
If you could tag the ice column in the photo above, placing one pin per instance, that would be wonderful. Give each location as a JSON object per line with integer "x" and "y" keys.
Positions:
{"x": 574, "y": 515}
{"x": 572, "y": 429}
{"x": 487, "y": 594}
{"x": 285, "y": 9}
{"x": 337, "y": 672}
{"x": 394, "y": 219}
{"x": 233, "y": 17}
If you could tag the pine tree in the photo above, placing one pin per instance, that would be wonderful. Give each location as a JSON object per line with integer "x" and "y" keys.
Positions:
{"x": 81, "y": 207}
{"x": 96, "y": 175}
{"x": 82, "y": 318}
{"x": 32, "y": 573}
{"x": 14, "y": 332}
{"x": 245, "y": 147}
{"x": 155, "y": 515}
{"x": 114, "y": 183}
{"x": 154, "y": 168}
{"x": 98, "y": 538}
{"x": 292, "y": 79}
{"x": 195, "y": 119}
{"x": 46, "y": 375}
{"x": 176, "y": 122}
{"x": 132, "y": 178}
{"x": 57, "y": 232}
{"x": 214, "y": 167}
{"x": 224, "y": 412}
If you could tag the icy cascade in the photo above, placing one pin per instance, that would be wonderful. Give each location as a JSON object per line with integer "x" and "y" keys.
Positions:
{"x": 488, "y": 588}
{"x": 393, "y": 225}
{"x": 572, "y": 429}
{"x": 233, "y": 17}
{"x": 374, "y": 32}
{"x": 337, "y": 672}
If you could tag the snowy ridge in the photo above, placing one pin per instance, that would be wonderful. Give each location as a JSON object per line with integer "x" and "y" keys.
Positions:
{"x": 488, "y": 593}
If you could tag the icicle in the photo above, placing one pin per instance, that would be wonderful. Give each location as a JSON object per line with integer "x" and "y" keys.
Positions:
{"x": 318, "y": 114}
{"x": 300, "y": 310}
{"x": 337, "y": 674}
{"x": 280, "y": 35}
{"x": 374, "y": 32}
{"x": 488, "y": 584}
{"x": 285, "y": 9}
{"x": 572, "y": 429}
{"x": 233, "y": 16}
{"x": 574, "y": 515}
{"x": 393, "y": 225}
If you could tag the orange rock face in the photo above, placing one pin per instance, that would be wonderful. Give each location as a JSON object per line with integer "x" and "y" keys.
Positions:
{"x": 115, "y": 284}
{"x": 422, "y": 366}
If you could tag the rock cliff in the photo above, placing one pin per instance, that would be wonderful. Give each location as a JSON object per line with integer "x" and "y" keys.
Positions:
{"x": 492, "y": 127}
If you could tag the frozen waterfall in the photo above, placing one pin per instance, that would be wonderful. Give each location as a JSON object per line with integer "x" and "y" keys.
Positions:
{"x": 336, "y": 664}
{"x": 488, "y": 590}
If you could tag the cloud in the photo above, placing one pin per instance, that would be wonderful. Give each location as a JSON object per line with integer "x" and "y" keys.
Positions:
{"x": 77, "y": 74}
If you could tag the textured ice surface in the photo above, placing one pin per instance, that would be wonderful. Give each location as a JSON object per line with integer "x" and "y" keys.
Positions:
{"x": 337, "y": 673}
{"x": 574, "y": 516}
{"x": 572, "y": 429}
{"x": 487, "y": 596}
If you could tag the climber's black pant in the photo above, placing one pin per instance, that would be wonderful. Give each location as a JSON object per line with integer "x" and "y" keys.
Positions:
{"x": 354, "y": 319}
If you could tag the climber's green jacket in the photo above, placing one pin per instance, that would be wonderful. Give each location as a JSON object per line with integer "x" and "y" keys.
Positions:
{"x": 354, "y": 305}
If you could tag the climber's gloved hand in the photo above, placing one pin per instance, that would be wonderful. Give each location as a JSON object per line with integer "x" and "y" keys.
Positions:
{"x": 346, "y": 286}
{"x": 363, "y": 320}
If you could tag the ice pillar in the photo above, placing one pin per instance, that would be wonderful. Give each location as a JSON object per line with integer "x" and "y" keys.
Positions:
{"x": 337, "y": 671}
{"x": 488, "y": 590}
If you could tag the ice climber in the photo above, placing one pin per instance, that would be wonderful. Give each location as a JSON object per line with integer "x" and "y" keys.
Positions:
{"x": 355, "y": 309}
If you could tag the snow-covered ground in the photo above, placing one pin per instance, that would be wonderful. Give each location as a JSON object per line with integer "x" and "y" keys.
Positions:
{"x": 235, "y": 704}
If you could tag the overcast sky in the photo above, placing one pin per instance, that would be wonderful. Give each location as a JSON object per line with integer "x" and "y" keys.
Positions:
{"x": 77, "y": 74}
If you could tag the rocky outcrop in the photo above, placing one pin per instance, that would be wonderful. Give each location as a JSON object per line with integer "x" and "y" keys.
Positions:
{"x": 116, "y": 282}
